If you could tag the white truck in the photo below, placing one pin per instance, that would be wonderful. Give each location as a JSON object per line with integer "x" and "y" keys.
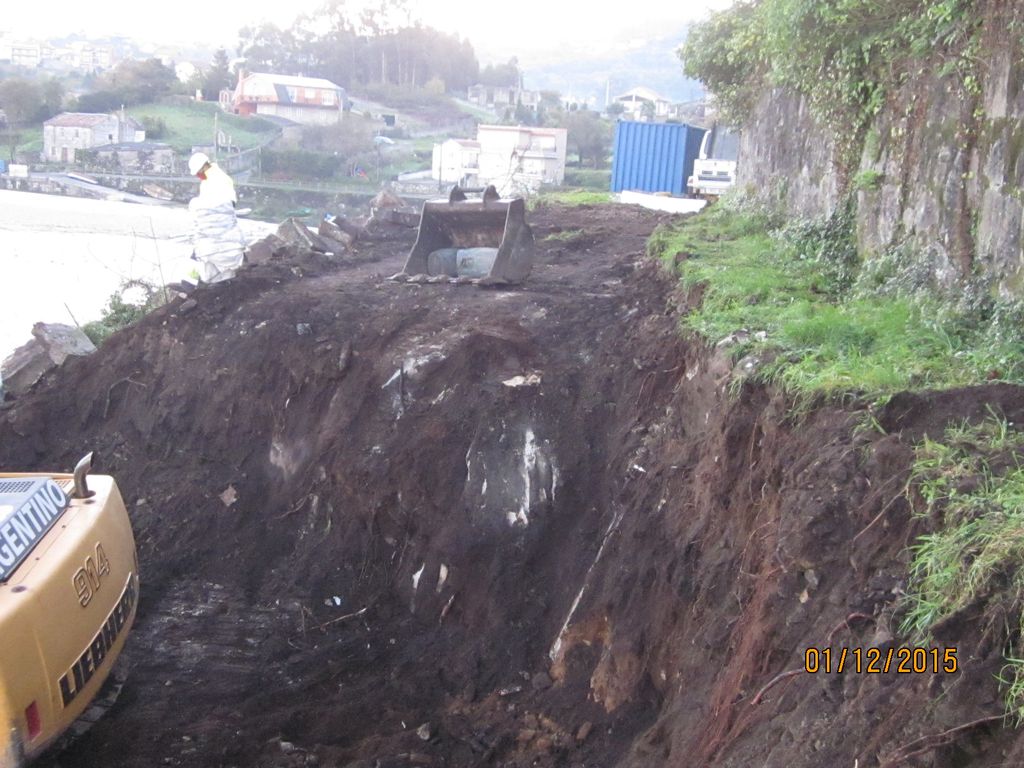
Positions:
{"x": 714, "y": 170}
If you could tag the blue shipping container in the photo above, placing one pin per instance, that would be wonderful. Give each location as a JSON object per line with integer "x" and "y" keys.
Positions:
{"x": 654, "y": 157}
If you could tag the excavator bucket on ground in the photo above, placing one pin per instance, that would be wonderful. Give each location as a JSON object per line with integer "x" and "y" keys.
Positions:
{"x": 486, "y": 239}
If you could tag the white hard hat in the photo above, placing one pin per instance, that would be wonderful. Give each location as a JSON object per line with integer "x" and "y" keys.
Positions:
{"x": 196, "y": 162}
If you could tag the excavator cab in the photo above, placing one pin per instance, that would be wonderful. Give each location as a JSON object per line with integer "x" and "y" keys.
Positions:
{"x": 486, "y": 239}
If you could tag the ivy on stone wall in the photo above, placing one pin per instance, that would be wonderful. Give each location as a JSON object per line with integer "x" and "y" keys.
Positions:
{"x": 846, "y": 56}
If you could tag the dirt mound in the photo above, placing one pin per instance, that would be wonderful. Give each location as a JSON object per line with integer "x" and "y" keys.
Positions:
{"x": 390, "y": 525}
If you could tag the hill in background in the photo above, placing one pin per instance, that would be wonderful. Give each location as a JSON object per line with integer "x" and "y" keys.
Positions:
{"x": 585, "y": 74}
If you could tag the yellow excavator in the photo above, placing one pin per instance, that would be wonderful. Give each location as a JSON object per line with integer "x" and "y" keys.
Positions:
{"x": 69, "y": 587}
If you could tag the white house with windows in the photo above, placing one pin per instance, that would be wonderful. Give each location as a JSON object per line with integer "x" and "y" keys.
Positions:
{"x": 643, "y": 104}
{"x": 456, "y": 161}
{"x": 510, "y": 157}
{"x": 513, "y": 156}
{"x": 70, "y": 132}
{"x": 304, "y": 100}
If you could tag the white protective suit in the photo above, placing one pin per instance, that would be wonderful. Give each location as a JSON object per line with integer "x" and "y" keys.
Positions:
{"x": 217, "y": 240}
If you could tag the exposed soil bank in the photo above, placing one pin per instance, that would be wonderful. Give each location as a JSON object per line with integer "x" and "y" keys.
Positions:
{"x": 389, "y": 525}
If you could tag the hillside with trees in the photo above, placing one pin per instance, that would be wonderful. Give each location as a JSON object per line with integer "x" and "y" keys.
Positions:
{"x": 652, "y": 64}
{"x": 380, "y": 46}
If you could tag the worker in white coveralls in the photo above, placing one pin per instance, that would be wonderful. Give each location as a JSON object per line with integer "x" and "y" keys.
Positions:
{"x": 217, "y": 240}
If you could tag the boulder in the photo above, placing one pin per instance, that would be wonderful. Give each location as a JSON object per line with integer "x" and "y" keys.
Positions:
{"x": 294, "y": 232}
{"x": 329, "y": 230}
{"x": 342, "y": 222}
{"x": 264, "y": 251}
{"x": 50, "y": 346}
{"x": 384, "y": 200}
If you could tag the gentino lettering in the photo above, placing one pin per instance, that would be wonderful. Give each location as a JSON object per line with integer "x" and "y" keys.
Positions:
{"x": 22, "y": 529}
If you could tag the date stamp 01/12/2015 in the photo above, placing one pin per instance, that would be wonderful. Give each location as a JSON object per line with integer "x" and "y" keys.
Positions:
{"x": 903, "y": 660}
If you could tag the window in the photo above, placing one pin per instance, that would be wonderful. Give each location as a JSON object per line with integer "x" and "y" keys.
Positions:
{"x": 328, "y": 98}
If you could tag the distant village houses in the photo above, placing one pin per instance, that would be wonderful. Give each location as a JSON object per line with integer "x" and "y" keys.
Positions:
{"x": 76, "y": 56}
{"x": 304, "y": 100}
{"x": 499, "y": 97}
{"x": 68, "y": 134}
{"x": 643, "y": 104}
{"x": 504, "y": 155}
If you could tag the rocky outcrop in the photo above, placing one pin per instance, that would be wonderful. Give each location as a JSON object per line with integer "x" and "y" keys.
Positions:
{"x": 51, "y": 344}
{"x": 787, "y": 156}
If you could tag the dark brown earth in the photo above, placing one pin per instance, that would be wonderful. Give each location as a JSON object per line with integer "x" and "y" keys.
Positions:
{"x": 427, "y": 566}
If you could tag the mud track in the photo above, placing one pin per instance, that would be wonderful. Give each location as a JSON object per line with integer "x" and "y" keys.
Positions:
{"x": 388, "y": 525}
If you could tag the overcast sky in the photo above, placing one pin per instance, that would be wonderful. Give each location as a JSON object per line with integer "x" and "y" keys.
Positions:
{"x": 497, "y": 28}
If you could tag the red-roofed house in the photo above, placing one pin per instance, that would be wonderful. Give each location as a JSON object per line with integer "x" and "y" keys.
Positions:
{"x": 305, "y": 100}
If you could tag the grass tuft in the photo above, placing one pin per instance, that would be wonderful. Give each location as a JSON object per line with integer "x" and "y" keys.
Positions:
{"x": 973, "y": 483}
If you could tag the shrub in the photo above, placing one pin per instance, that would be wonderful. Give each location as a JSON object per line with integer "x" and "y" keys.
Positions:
{"x": 133, "y": 300}
{"x": 156, "y": 127}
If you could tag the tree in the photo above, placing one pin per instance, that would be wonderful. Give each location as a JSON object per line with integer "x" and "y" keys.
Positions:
{"x": 726, "y": 53}
{"x": 589, "y": 135}
{"x": 99, "y": 101}
{"x": 218, "y": 77}
{"x": 267, "y": 47}
{"x": 377, "y": 45}
{"x": 130, "y": 82}
{"x": 524, "y": 115}
{"x": 502, "y": 74}
{"x": 21, "y": 100}
{"x": 52, "y": 94}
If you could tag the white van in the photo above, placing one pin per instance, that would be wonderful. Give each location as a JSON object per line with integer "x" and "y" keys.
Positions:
{"x": 714, "y": 170}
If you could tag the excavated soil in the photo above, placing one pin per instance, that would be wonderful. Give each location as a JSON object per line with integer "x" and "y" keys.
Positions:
{"x": 387, "y": 525}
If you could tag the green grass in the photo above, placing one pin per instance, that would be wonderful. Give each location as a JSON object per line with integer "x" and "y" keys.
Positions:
{"x": 972, "y": 480}
{"x": 588, "y": 178}
{"x": 564, "y": 236}
{"x": 29, "y": 143}
{"x": 570, "y": 197}
{"x": 469, "y": 108}
{"x": 190, "y": 123}
{"x": 33, "y": 142}
{"x": 819, "y": 340}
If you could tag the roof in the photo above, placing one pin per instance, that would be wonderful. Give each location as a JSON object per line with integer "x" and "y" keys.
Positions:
{"x": 468, "y": 143}
{"x": 641, "y": 93}
{"x": 78, "y": 120}
{"x": 292, "y": 80}
{"x": 527, "y": 128}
